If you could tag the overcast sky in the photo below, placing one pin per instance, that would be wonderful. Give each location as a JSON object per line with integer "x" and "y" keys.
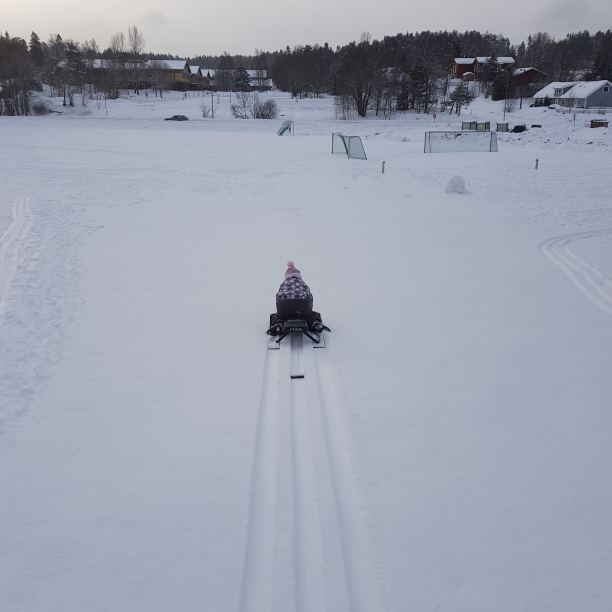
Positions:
{"x": 192, "y": 27}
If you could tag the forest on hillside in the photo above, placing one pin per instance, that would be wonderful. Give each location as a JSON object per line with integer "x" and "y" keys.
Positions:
{"x": 398, "y": 73}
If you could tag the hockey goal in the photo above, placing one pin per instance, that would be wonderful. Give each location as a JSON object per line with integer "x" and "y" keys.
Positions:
{"x": 350, "y": 145}
{"x": 460, "y": 142}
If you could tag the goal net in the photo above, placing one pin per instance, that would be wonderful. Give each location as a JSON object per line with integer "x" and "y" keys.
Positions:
{"x": 349, "y": 145}
{"x": 479, "y": 126}
{"x": 287, "y": 126}
{"x": 455, "y": 142}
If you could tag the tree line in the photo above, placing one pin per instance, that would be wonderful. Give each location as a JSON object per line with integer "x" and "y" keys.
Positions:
{"x": 411, "y": 71}
{"x": 73, "y": 70}
{"x": 398, "y": 73}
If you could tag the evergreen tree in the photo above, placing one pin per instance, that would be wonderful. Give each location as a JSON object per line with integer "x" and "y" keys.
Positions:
{"x": 242, "y": 81}
{"x": 521, "y": 55}
{"x": 16, "y": 80}
{"x": 75, "y": 70}
{"x": 500, "y": 85}
{"x": 594, "y": 72}
{"x": 403, "y": 98}
{"x": 37, "y": 52}
{"x": 487, "y": 73}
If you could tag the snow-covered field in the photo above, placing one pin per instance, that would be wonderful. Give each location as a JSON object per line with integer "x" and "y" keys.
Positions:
{"x": 448, "y": 450}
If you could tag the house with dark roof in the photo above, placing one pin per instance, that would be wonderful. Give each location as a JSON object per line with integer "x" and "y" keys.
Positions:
{"x": 524, "y": 77}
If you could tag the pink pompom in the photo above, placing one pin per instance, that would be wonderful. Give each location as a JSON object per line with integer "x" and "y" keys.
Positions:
{"x": 290, "y": 264}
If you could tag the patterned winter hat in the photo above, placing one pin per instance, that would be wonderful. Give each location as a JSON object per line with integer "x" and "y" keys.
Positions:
{"x": 292, "y": 271}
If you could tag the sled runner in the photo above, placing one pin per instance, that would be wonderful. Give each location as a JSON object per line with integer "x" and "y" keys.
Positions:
{"x": 310, "y": 326}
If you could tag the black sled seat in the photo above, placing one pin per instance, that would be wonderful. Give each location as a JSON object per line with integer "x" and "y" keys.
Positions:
{"x": 310, "y": 325}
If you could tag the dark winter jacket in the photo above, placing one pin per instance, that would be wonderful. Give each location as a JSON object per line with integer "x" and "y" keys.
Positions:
{"x": 294, "y": 298}
{"x": 293, "y": 288}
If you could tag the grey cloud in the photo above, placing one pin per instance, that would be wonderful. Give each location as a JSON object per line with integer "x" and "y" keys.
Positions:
{"x": 156, "y": 18}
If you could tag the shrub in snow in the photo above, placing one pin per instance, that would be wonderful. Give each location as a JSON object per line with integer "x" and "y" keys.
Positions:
{"x": 249, "y": 105}
{"x": 40, "y": 107}
{"x": 455, "y": 185}
{"x": 265, "y": 110}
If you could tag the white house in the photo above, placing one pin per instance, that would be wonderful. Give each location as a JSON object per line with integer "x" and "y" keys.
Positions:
{"x": 259, "y": 78}
{"x": 578, "y": 94}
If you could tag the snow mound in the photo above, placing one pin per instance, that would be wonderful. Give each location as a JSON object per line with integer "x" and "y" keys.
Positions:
{"x": 455, "y": 185}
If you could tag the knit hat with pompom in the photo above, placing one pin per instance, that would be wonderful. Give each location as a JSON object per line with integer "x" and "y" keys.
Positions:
{"x": 292, "y": 271}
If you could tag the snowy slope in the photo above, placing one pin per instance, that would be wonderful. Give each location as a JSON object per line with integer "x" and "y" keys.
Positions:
{"x": 448, "y": 450}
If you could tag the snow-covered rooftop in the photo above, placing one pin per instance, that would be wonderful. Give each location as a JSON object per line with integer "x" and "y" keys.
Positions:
{"x": 584, "y": 89}
{"x": 194, "y": 69}
{"x": 252, "y": 73}
{"x": 483, "y": 60}
{"x": 500, "y": 60}
{"x": 175, "y": 64}
{"x": 522, "y": 70}
{"x": 549, "y": 90}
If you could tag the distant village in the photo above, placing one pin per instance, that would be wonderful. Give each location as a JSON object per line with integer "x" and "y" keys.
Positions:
{"x": 418, "y": 72}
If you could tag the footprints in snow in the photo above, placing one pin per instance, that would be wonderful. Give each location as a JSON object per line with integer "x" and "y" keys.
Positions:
{"x": 10, "y": 244}
{"x": 39, "y": 297}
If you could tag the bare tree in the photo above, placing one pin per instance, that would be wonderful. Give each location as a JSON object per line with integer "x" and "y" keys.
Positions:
{"x": 225, "y": 72}
{"x": 261, "y": 69}
{"x": 244, "y": 107}
{"x": 156, "y": 71}
{"x": 90, "y": 51}
{"x": 458, "y": 97}
{"x": 116, "y": 65}
{"x": 136, "y": 43}
{"x": 344, "y": 106}
{"x": 359, "y": 74}
{"x": 510, "y": 104}
{"x": 208, "y": 112}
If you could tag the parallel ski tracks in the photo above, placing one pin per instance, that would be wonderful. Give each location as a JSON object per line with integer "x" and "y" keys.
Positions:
{"x": 363, "y": 588}
{"x": 310, "y": 589}
{"x": 259, "y": 563}
{"x": 308, "y": 368}
{"x": 587, "y": 279}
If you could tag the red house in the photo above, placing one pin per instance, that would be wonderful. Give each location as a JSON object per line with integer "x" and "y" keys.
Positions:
{"x": 463, "y": 65}
{"x": 467, "y": 68}
{"x": 527, "y": 76}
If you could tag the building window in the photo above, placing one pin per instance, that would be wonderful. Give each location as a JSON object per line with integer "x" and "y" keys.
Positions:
{"x": 606, "y": 89}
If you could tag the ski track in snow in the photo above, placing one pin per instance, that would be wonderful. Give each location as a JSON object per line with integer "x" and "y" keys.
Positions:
{"x": 258, "y": 575}
{"x": 363, "y": 587}
{"x": 587, "y": 279}
{"x": 310, "y": 595}
{"x": 310, "y": 591}
{"x": 9, "y": 246}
